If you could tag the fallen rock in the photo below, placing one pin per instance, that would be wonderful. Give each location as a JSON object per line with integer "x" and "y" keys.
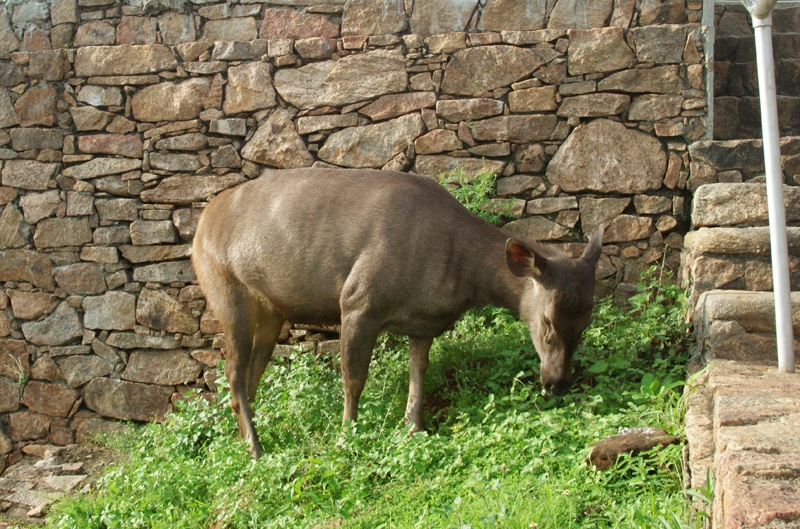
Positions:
{"x": 633, "y": 441}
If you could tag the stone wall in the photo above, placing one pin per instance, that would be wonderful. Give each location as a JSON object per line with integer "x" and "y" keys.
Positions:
{"x": 118, "y": 122}
{"x": 736, "y": 106}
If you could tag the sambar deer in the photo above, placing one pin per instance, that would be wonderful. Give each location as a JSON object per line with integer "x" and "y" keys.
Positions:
{"x": 375, "y": 251}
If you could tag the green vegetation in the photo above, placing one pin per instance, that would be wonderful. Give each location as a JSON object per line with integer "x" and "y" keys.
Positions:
{"x": 498, "y": 453}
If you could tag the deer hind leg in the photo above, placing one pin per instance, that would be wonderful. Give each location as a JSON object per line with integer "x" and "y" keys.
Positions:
{"x": 358, "y": 339}
{"x": 238, "y": 312}
{"x": 418, "y": 351}
{"x": 268, "y": 325}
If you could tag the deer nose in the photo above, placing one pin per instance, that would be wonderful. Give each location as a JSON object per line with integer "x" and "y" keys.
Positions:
{"x": 557, "y": 389}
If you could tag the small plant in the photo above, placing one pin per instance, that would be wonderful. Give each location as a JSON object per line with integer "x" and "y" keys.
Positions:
{"x": 474, "y": 192}
{"x": 19, "y": 370}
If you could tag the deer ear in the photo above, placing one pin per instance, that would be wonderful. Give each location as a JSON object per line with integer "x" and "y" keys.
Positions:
{"x": 524, "y": 262}
{"x": 591, "y": 253}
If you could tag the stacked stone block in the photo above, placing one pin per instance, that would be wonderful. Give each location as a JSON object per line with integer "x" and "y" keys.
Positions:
{"x": 120, "y": 120}
{"x": 736, "y": 106}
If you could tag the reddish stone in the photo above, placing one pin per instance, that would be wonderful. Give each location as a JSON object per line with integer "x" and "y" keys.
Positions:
{"x": 137, "y": 30}
{"x": 37, "y": 106}
{"x": 60, "y": 433}
{"x": 35, "y": 39}
{"x": 25, "y": 425}
{"x": 285, "y": 24}
{"x": 129, "y": 145}
{"x": 50, "y": 399}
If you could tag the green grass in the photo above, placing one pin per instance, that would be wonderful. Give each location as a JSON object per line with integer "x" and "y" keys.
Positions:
{"x": 497, "y": 453}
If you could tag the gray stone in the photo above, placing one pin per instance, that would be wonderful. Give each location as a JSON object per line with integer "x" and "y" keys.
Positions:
{"x": 158, "y": 310}
{"x": 436, "y": 17}
{"x": 102, "y": 167}
{"x": 170, "y": 102}
{"x": 292, "y": 24}
{"x": 594, "y": 105}
{"x": 519, "y": 184}
{"x": 149, "y": 254}
{"x": 61, "y": 232}
{"x": 516, "y": 128}
{"x": 228, "y": 127}
{"x": 14, "y": 232}
{"x": 543, "y": 206}
{"x": 194, "y": 141}
{"x": 26, "y": 266}
{"x": 372, "y": 145}
{"x": 530, "y": 158}
{"x": 49, "y": 399}
{"x": 145, "y": 232}
{"x": 101, "y": 96}
{"x": 239, "y": 50}
{"x": 168, "y": 368}
{"x": 113, "y": 310}
{"x": 90, "y": 118}
{"x": 27, "y": 425}
{"x": 175, "y": 162}
{"x": 28, "y": 174}
{"x": 651, "y": 107}
{"x": 276, "y": 143}
{"x": 662, "y": 12}
{"x": 625, "y": 228}
{"x": 249, "y": 88}
{"x": 474, "y": 70}
{"x": 185, "y": 221}
{"x": 185, "y": 189}
{"x": 511, "y": 15}
{"x": 127, "y": 400}
{"x": 311, "y": 124}
{"x": 598, "y": 50}
{"x": 535, "y": 229}
{"x": 456, "y": 110}
{"x": 734, "y": 204}
{"x": 130, "y": 340}
{"x": 578, "y": 14}
{"x": 169, "y": 272}
{"x": 607, "y": 157}
{"x": 8, "y": 40}
{"x": 80, "y": 278}
{"x": 348, "y": 80}
{"x": 537, "y": 99}
{"x": 652, "y": 205}
{"x": 123, "y": 60}
{"x": 10, "y": 394}
{"x": 658, "y": 80}
{"x": 61, "y": 327}
{"x": 391, "y": 106}
{"x": 30, "y": 305}
{"x": 660, "y": 44}
{"x": 80, "y": 369}
{"x": 8, "y": 116}
{"x": 30, "y": 138}
{"x": 599, "y": 211}
{"x": 230, "y": 29}
{"x": 437, "y": 141}
{"x": 365, "y": 17}
{"x": 117, "y": 209}
{"x": 37, "y": 206}
{"x": 745, "y": 155}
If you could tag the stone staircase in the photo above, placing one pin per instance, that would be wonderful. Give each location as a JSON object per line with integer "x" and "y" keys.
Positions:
{"x": 743, "y": 417}
{"x": 736, "y": 104}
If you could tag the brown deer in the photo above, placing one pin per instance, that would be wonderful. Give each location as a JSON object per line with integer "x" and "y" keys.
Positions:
{"x": 375, "y": 251}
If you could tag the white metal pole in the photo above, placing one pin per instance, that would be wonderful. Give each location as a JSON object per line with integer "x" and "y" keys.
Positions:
{"x": 762, "y": 27}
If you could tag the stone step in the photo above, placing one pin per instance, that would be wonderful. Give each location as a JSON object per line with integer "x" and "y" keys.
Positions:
{"x": 734, "y": 259}
{"x": 743, "y": 423}
{"x": 740, "y": 325}
{"x": 739, "y": 204}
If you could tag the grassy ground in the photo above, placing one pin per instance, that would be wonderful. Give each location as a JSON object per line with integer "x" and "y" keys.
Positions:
{"x": 497, "y": 453}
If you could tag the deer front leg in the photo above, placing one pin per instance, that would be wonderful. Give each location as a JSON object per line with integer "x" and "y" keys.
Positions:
{"x": 418, "y": 352}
